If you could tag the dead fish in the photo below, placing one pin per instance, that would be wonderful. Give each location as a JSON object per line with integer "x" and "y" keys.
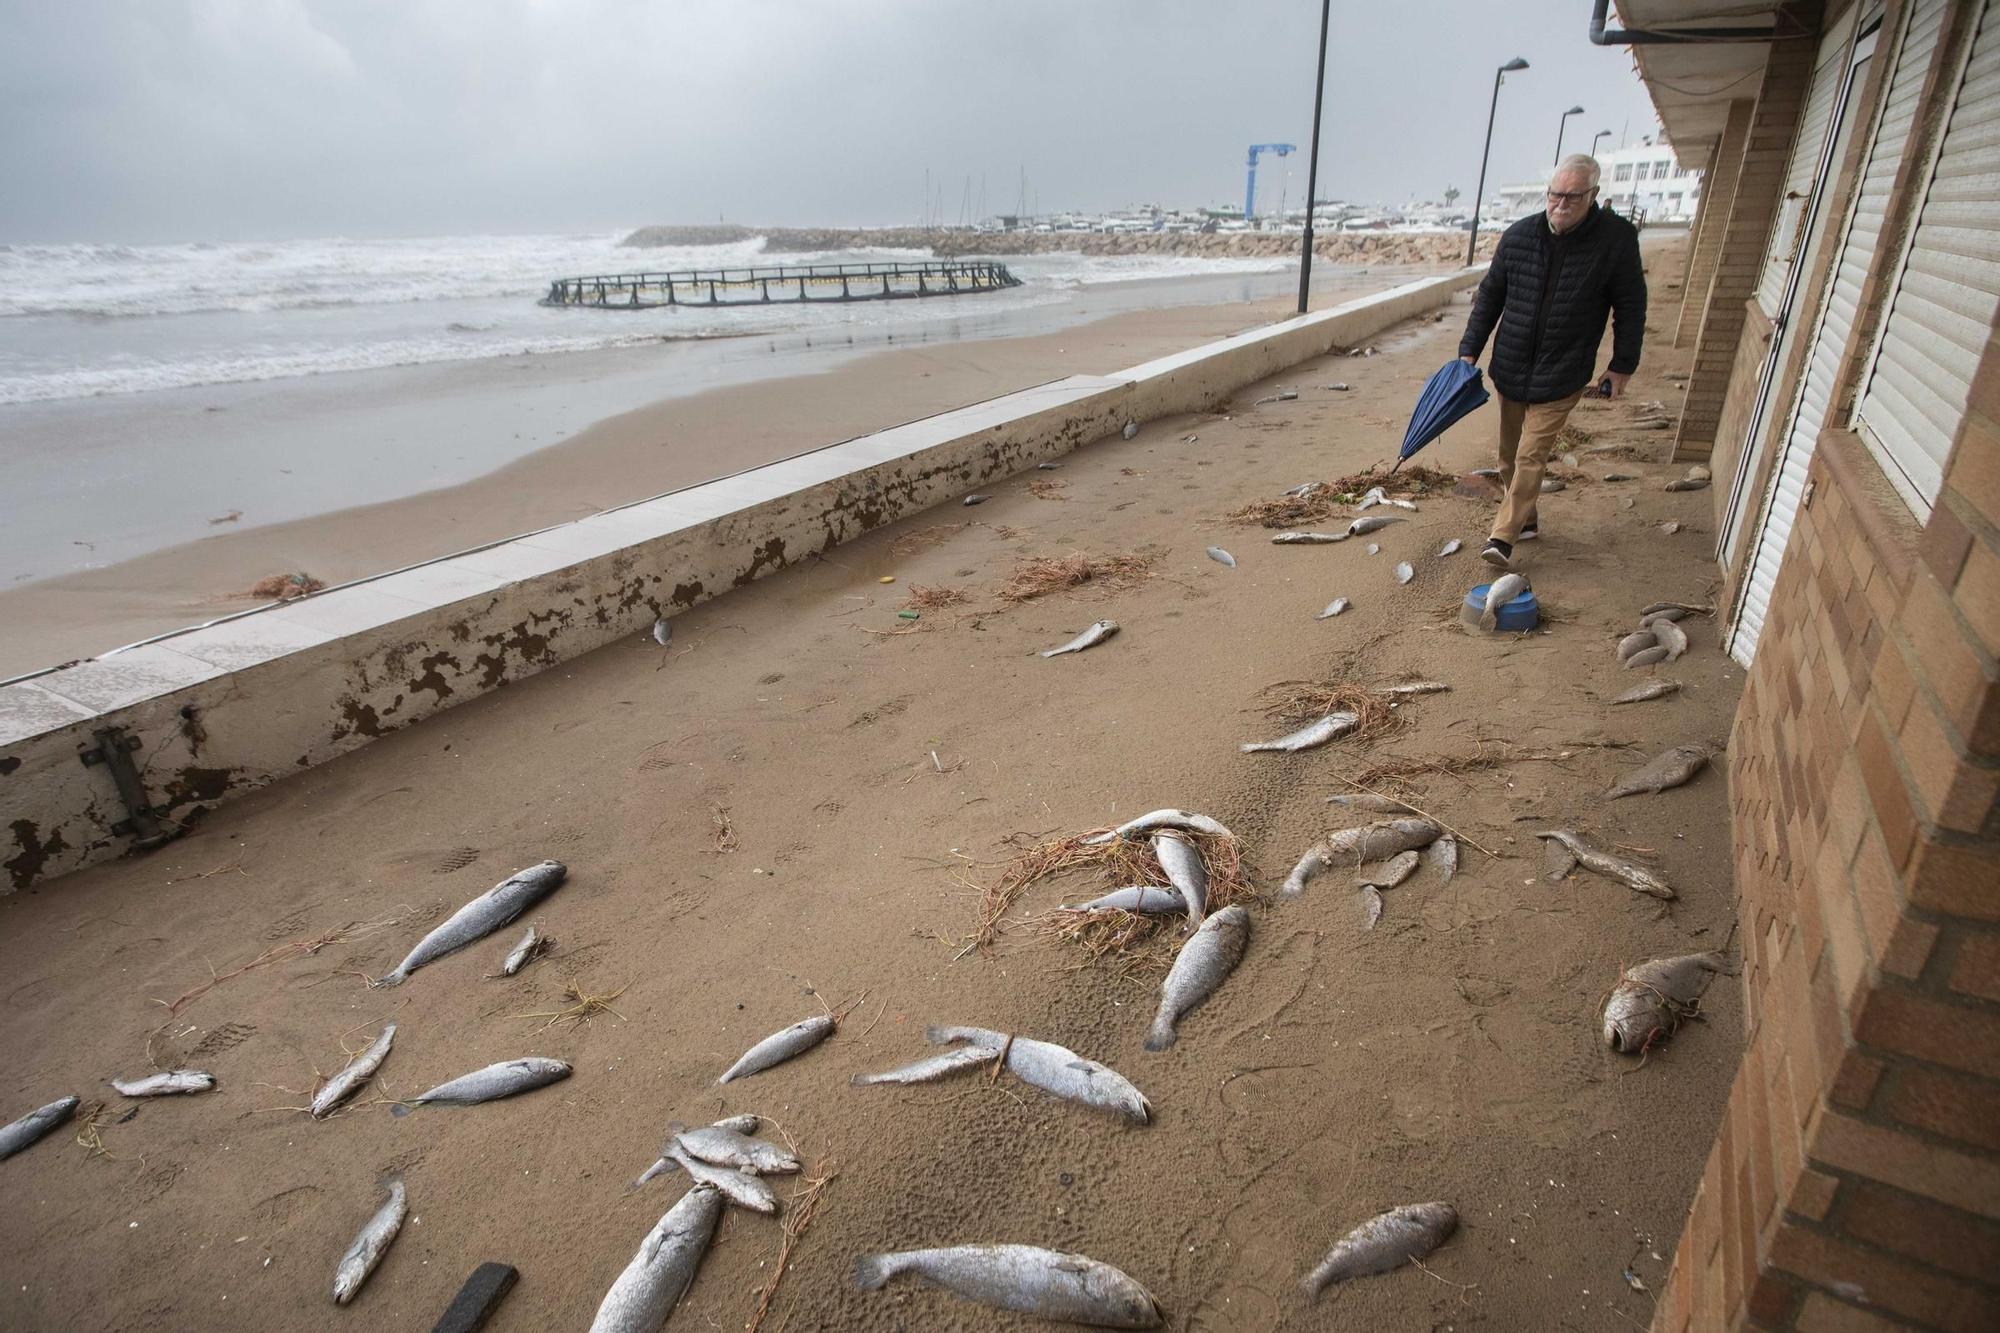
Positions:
{"x": 1670, "y": 769}
{"x": 1672, "y": 637}
{"x": 1056, "y": 1070}
{"x": 1502, "y": 591}
{"x": 1404, "y": 573}
{"x": 1387, "y": 874}
{"x": 1350, "y": 847}
{"x": 932, "y": 1067}
{"x": 1637, "y": 642}
{"x": 1333, "y": 608}
{"x": 479, "y": 918}
{"x": 739, "y": 1187}
{"x": 1415, "y": 687}
{"x": 1201, "y": 966}
{"x": 1558, "y": 861}
{"x": 167, "y": 1084}
{"x": 1306, "y": 738}
{"x": 1653, "y": 998}
{"x": 1380, "y": 805}
{"x": 663, "y": 631}
{"x": 1686, "y": 607}
{"x": 1689, "y": 484}
{"x": 1047, "y": 467}
{"x": 1371, "y": 906}
{"x": 781, "y": 1046}
{"x": 532, "y": 946}
{"x": 739, "y": 1124}
{"x": 972, "y": 500}
{"x": 1670, "y": 527}
{"x": 1410, "y": 505}
{"x": 31, "y": 1128}
{"x": 1157, "y": 819}
{"x": 1221, "y": 557}
{"x": 1067, "y": 1288}
{"x": 1383, "y": 1244}
{"x": 1308, "y": 538}
{"x": 1653, "y": 689}
{"x": 1452, "y": 547}
{"x": 1131, "y": 429}
{"x": 1484, "y": 472}
{"x": 1673, "y": 613}
{"x": 1338, "y": 388}
{"x": 1647, "y": 657}
{"x": 370, "y": 1244}
{"x": 1619, "y": 476}
{"x": 1553, "y": 485}
{"x": 508, "y": 1078}
{"x": 1146, "y": 899}
{"x": 1374, "y": 495}
{"x": 1632, "y": 876}
{"x": 1374, "y": 548}
{"x": 349, "y": 1080}
{"x": 1303, "y": 489}
{"x": 644, "y": 1295}
{"x": 1090, "y": 638}
{"x": 1373, "y": 523}
{"x": 1185, "y": 871}
{"x": 1442, "y": 857}
{"x": 1281, "y": 396}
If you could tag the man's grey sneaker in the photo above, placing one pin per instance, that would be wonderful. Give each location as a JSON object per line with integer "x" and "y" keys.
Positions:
{"x": 1499, "y": 554}
{"x": 1529, "y": 533}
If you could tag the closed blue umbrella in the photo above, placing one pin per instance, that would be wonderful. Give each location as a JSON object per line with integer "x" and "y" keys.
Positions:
{"x": 1451, "y": 393}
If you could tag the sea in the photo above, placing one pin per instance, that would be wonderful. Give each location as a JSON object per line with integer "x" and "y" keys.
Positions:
{"x": 81, "y": 321}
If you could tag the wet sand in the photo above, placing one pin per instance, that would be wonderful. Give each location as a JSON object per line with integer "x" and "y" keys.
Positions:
{"x": 1451, "y": 1053}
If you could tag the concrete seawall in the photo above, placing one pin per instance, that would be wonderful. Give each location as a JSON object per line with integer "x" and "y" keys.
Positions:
{"x": 211, "y": 712}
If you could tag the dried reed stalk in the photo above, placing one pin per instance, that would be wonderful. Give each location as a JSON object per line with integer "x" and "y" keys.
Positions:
{"x": 923, "y": 598}
{"x": 1041, "y": 575}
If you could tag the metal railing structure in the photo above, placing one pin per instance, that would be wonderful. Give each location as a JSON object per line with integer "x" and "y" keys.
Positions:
{"x": 786, "y": 282}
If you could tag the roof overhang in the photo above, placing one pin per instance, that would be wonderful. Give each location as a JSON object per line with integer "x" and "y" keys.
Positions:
{"x": 1693, "y": 83}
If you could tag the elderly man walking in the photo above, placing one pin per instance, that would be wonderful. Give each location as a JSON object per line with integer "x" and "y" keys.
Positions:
{"x": 1554, "y": 279}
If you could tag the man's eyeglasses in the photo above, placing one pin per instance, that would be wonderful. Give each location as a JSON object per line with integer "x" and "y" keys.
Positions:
{"x": 1571, "y": 196}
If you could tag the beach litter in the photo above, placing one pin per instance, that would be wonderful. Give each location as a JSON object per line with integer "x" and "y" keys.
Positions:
{"x": 285, "y": 587}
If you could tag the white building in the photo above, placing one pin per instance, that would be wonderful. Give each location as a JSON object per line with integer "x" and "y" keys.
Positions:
{"x": 1646, "y": 181}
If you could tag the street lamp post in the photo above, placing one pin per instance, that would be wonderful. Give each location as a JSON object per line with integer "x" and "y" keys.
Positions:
{"x": 1479, "y": 195}
{"x": 1601, "y": 134}
{"x": 1561, "y": 126}
{"x": 1312, "y": 163}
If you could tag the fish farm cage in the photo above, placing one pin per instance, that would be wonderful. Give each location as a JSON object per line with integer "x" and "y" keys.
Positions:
{"x": 786, "y": 282}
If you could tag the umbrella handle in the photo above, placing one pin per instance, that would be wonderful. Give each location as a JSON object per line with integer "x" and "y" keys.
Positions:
{"x": 1393, "y": 466}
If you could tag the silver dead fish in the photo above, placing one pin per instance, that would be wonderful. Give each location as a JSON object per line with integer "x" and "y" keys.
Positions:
{"x": 781, "y": 1046}
{"x": 1308, "y": 538}
{"x": 1373, "y": 523}
{"x": 1410, "y": 505}
{"x": 933, "y": 1067}
{"x": 1672, "y": 637}
{"x": 349, "y": 1080}
{"x": 1558, "y": 861}
{"x": 1688, "y": 484}
{"x": 532, "y": 946}
{"x": 1331, "y": 726}
{"x": 1387, "y": 874}
{"x": 1688, "y": 608}
{"x": 1350, "y": 847}
{"x": 1442, "y": 858}
{"x": 972, "y": 500}
{"x": 1157, "y": 819}
{"x": 1303, "y": 489}
{"x": 1452, "y": 547}
{"x": 1637, "y": 642}
{"x": 1374, "y": 548}
{"x": 1383, "y": 1244}
{"x": 1221, "y": 557}
{"x": 1653, "y": 689}
{"x": 166, "y": 1084}
{"x": 482, "y": 916}
{"x": 1131, "y": 429}
{"x": 1653, "y": 998}
{"x": 663, "y": 631}
{"x": 1185, "y": 871}
{"x": 1056, "y": 1070}
{"x": 719, "y": 1145}
{"x": 1673, "y": 613}
{"x": 1502, "y": 591}
{"x": 32, "y": 1127}
{"x": 1484, "y": 472}
{"x": 735, "y": 1124}
{"x": 1670, "y": 769}
{"x": 505, "y": 1079}
{"x": 1632, "y": 876}
{"x": 1554, "y": 485}
{"x": 1646, "y": 657}
{"x": 1404, "y": 572}
{"x": 1090, "y": 638}
{"x": 1333, "y": 608}
{"x": 1411, "y": 687}
{"x": 644, "y": 1295}
{"x": 1067, "y": 1288}
{"x": 370, "y": 1244}
{"x": 1147, "y": 899}
{"x": 739, "y": 1187}
{"x": 1201, "y": 966}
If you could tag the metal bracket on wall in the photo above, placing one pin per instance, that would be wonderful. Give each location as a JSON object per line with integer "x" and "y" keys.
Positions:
{"x": 114, "y": 751}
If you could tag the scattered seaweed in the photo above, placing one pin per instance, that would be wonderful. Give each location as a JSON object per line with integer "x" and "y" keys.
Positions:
{"x": 285, "y": 587}
{"x": 1048, "y": 489}
{"x": 804, "y": 1203}
{"x": 926, "y": 598}
{"x": 1323, "y": 500}
{"x": 722, "y": 831}
{"x": 1041, "y": 575}
{"x": 1302, "y": 701}
{"x": 581, "y": 1008}
{"x": 1571, "y": 437}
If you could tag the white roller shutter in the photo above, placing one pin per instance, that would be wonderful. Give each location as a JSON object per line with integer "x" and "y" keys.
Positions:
{"x": 1836, "y": 322}
{"x": 1942, "y": 307}
{"x": 1802, "y": 169}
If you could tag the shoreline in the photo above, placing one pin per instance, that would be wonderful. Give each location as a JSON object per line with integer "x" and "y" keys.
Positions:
{"x": 616, "y": 452}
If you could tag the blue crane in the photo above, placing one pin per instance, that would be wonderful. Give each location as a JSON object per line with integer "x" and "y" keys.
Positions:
{"x": 1250, "y": 186}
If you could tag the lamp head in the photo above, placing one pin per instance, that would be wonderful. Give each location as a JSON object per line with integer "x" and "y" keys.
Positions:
{"x": 1574, "y": 111}
{"x": 1515, "y": 64}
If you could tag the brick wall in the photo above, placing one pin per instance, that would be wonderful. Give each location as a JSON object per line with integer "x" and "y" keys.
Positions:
{"x": 1855, "y": 1181}
{"x": 1718, "y": 190}
{"x": 1742, "y": 243}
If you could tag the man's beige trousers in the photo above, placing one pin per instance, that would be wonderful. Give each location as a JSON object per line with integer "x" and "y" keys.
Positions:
{"x": 1527, "y": 435}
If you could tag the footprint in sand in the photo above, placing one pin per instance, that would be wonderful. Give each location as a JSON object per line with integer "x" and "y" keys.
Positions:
{"x": 458, "y": 858}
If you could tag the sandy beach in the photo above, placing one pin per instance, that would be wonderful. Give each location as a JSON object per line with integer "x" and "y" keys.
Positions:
{"x": 375, "y": 470}
{"x": 800, "y": 803}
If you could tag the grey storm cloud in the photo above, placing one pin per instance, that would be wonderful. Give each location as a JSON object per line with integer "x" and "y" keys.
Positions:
{"x": 226, "y": 119}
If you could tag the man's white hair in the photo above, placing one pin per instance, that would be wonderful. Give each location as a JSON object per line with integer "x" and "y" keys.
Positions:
{"x": 1583, "y": 162}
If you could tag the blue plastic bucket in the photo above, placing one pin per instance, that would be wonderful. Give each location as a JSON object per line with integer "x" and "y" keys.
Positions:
{"x": 1523, "y": 613}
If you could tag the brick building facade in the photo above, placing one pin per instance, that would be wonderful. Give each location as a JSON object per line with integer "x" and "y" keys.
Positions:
{"x": 1842, "y": 290}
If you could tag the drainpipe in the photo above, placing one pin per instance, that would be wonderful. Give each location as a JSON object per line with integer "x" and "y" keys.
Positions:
{"x": 1784, "y": 28}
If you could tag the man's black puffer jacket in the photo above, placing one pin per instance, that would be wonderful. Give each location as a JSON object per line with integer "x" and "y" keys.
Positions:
{"x": 1550, "y": 296}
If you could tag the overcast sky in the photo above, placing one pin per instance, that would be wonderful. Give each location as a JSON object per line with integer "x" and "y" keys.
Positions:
{"x": 152, "y": 120}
